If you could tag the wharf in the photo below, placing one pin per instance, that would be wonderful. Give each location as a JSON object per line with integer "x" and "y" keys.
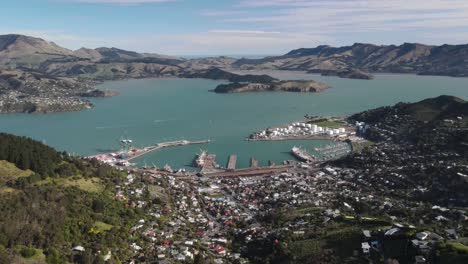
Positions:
{"x": 138, "y": 152}
{"x": 209, "y": 164}
{"x": 147, "y": 150}
{"x": 232, "y": 162}
{"x": 251, "y": 172}
{"x": 253, "y": 163}
{"x": 315, "y": 137}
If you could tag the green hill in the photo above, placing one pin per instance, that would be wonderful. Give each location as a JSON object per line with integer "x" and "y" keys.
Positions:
{"x": 9, "y": 172}
{"x": 55, "y": 202}
{"x": 428, "y": 110}
{"x": 436, "y": 124}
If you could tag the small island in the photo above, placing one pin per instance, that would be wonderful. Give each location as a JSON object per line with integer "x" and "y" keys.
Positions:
{"x": 254, "y": 83}
{"x": 301, "y": 86}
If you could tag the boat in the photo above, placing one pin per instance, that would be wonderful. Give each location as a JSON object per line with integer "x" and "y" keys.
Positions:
{"x": 302, "y": 154}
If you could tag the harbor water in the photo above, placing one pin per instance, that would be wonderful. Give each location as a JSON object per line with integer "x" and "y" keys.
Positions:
{"x": 150, "y": 111}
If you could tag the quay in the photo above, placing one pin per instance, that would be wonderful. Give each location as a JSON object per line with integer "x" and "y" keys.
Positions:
{"x": 232, "y": 162}
{"x": 209, "y": 164}
{"x": 251, "y": 172}
{"x": 144, "y": 151}
{"x": 246, "y": 172}
{"x": 285, "y": 138}
{"x": 253, "y": 163}
{"x": 124, "y": 157}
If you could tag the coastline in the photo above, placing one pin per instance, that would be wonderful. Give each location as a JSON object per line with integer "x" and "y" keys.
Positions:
{"x": 98, "y": 82}
{"x": 293, "y": 138}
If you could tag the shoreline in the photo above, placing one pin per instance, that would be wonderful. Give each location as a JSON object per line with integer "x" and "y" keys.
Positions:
{"x": 319, "y": 75}
{"x": 98, "y": 82}
{"x": 294, "y": 138}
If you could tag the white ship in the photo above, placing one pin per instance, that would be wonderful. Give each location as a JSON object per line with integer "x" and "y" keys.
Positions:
{"x": 301, "y": 154}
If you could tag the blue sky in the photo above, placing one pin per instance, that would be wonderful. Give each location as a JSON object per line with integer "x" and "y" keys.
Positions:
{"x": 216, "y": 27}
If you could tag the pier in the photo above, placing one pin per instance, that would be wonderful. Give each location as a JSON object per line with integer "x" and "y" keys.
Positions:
{"x": 232, "y": 162}
{"x": 253, "y": 163}
{"x": 133, "y": 153}
{"x": 209, "y": 164}
{"x": 147, "y": 150}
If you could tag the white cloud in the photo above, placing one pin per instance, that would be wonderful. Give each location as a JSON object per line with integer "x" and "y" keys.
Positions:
{"x": 334, "y": 18}
{"x": 277, "y": 26}
{"x": 212, "y": 42}
{"x": 229, "y": 43}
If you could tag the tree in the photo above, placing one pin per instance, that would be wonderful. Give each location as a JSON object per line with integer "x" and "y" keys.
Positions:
{"x": 53, "y": 256}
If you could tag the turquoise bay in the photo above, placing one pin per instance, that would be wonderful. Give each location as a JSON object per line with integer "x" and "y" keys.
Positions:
{"x": 157, "y": 110}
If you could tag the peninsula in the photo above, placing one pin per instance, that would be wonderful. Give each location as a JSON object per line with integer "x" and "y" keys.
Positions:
{"x": 40, "y": 76}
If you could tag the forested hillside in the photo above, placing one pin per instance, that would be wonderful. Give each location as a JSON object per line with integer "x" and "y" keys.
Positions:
{"x": 51, "y": 202}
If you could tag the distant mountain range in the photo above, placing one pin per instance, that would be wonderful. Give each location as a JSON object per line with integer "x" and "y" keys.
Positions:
{"x": 34, "y": 71}
{"x": 448, "y": 60}
{"x": 20, "y": 51}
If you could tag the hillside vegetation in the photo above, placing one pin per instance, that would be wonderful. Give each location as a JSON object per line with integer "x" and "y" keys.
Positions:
{"x": 51, "y": 202}
{"x": 435, "y": 124}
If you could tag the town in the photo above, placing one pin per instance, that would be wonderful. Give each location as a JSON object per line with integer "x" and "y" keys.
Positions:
{"x": 398, "y": 198}
{"x": 29, "y": 92}
{"x": 375, "y": 204}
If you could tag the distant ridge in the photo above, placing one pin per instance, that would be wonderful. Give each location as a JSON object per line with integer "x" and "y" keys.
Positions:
{"x": 114, "y": 63}
{"x": 448, "y": 60}
{"x": 40, "y": 76}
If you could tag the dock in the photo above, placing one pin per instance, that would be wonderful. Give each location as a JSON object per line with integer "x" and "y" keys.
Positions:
{"x": 134, "y": 153}
{"x": 147, "y": 150}
{"x": 251, "y": 172}
{"x": 253, "y": 163}
{"x": 232, "y": 162}
{"x": 209, "y": 164}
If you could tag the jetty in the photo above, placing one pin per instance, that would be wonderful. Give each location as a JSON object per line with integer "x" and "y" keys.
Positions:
{"x": 124, "y": 157}
{"x": 253, "y": 163}
{"x": 206, "y": 162}
{"x": 144, "y": 151}
{"x": 232, "y": 162}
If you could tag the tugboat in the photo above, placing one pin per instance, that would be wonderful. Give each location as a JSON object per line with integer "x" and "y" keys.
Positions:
{"x": 301, "y": 154}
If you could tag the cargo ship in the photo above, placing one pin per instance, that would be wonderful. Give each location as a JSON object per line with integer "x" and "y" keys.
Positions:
{"x": 301, "y": 154}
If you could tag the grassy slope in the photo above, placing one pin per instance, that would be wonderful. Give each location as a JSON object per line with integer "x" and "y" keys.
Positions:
{"x": 330, "y": 124}
{"x": 91, "y": 185}
{"x": 8, "y": 172}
